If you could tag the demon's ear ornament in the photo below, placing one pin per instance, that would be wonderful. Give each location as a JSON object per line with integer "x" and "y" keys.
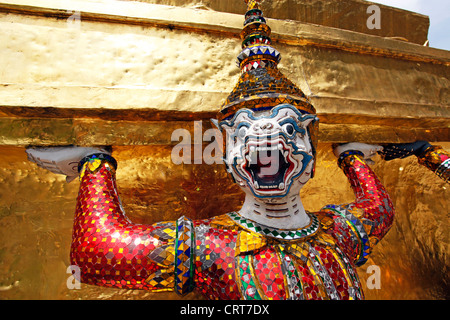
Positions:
{"x": 309, "y": 121}
{"x": 215, "y": 122}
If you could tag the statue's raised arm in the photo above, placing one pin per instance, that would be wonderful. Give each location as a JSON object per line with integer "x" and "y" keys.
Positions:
{"x": 366, "y": 220}
{"x": 108, "y": 248}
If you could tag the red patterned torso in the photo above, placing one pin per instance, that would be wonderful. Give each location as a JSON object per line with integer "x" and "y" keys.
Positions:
{"x": 227, "y": 257}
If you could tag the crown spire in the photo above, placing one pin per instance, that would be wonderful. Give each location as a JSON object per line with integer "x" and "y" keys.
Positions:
{"x": 253, "y": 4}
{"x": 257, "y": 51}
{"x": 261, "y": 85}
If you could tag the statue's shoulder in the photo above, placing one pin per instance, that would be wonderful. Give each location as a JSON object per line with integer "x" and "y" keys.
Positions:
{"x": 221, "y": 222}
{"x": 325, "y": 218}
{"x": 323, "y": 236}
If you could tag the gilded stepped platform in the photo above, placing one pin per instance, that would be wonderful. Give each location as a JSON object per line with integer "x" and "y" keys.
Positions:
{"x": 129, "y": 73}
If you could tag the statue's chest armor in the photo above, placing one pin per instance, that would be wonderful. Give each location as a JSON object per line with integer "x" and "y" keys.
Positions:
{"x": 239, "y": 264}
{"x": 297, "y": 271}
{"x": 233, "y": 262}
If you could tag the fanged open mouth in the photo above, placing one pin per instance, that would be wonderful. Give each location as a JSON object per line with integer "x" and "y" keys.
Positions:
{"x": 268, "y": 165}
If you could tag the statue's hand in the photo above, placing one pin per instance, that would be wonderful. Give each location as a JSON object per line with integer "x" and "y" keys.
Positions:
{"x": 369, "y": 150}
{"x": 403, "y": 150}
{"x": 62, "y": 160}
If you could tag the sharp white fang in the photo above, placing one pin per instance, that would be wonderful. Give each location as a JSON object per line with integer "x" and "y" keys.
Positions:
{"x": 281, "y": 186}
{"x": 256, "y": 185}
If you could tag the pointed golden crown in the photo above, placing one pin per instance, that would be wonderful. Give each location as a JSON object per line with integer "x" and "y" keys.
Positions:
{"x": 261, "y": 85}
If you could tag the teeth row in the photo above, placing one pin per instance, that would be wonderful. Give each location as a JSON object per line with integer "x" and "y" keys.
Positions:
{"x": 280, "y": 186}
{"x": 274, "y": 148}
{"x": 252, "y": 156}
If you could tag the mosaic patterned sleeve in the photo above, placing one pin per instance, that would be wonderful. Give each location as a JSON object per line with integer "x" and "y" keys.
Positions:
{"x": 110, "y": 250}
{"x": 437, "y": 160}
{"x": 360, "y": 225}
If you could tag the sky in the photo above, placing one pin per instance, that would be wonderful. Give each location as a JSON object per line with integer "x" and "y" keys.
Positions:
{"x": 437, "y": 10}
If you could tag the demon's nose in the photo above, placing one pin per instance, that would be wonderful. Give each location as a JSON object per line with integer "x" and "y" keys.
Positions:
{"x": 264, "y": 127}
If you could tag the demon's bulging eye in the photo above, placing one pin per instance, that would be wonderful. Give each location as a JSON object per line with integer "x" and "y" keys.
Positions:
{"x": 242, "y": 132}
{"x": 289, "y": 129}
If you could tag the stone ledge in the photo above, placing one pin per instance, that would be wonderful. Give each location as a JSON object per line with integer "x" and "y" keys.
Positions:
{"x": 204, "y": 21}
{"x": 34, "y": 101}
{"x": 343, "y": 14}
{"x": 91, "y": 132}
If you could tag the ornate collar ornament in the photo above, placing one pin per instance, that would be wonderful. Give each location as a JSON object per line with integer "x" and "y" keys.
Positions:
{"x": 270, "y": 232}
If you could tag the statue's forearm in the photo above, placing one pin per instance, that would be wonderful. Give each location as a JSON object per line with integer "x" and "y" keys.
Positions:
{"x": 359, "y": 226}
{"x": 106, "y": 246}
{"x": 371, "y": 196}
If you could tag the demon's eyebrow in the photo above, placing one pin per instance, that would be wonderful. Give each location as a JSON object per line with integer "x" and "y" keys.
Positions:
{"x": 249, "y": 115}
{"x": 285, "y": 116}
{"x": 241, "y": 113}
{"x": 282, "y": 107}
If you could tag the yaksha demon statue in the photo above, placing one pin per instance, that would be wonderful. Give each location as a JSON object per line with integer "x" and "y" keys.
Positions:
{"x": 272, "y": 248}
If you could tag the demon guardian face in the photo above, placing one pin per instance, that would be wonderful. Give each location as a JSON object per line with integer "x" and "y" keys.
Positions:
{"x": 269, "y": 153}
